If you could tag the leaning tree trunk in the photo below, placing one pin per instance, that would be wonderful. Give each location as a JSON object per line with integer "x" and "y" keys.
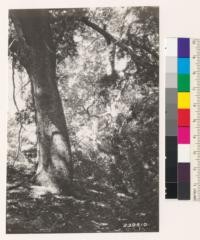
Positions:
{"x": 55, "y": 165}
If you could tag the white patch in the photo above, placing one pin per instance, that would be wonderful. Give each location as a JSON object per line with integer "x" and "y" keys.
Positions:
{"x": 100, "y": 224}
{"x": 59, "y": 144}
{"x": 94, "y": 191}
{"x": 39, "y": 191}
{"x": 120, "y": 65}
{"x": 122, "y": 195}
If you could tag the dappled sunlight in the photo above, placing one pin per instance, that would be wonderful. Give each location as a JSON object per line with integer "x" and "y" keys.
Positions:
{"x": 94, "y": 210}
{"x": 39, "y": 191}
{"x": 83, "y": 120}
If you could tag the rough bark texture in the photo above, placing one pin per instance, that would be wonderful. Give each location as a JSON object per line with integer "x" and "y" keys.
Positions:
{"x": 38, "y": 57}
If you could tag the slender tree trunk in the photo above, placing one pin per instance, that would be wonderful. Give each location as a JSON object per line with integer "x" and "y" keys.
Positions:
{"x": 55, "y": 164}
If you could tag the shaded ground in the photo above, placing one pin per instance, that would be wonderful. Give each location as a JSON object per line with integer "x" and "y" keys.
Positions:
{"x": 95, "y": 208}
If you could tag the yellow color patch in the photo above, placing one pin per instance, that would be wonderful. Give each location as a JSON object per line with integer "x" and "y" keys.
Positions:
{"x": 183, "y": 100}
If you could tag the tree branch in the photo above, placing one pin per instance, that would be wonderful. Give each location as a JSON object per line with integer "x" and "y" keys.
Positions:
{"x": 86, "y": 110}
{"x": 23, "y": 50}
{"x": 14, "y": 87}
{"x": 108, "y": 36}
{"x": 20, "y": 35}
{"x": 15, "y": 103}
{"x": 154, "y": 54}
{"x": 10, "y": 45}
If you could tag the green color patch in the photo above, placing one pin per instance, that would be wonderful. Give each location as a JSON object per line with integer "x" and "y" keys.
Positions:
{"x": 183, "y": 82}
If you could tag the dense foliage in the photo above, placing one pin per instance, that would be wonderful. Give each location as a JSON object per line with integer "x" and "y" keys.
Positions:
{"x": 110, "y": 100}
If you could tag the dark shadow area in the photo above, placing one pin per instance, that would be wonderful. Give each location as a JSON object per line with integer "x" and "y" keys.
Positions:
{"x": 91, "y": 208}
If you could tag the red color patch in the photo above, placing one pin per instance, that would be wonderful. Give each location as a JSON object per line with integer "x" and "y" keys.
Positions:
{"x": 183, "y": 117}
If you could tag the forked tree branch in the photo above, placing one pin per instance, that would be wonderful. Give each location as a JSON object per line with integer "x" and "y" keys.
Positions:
{"x": 108, "y": 36}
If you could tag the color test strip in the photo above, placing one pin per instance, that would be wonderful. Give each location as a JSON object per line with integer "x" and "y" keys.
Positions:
{"x": 183, "y": 95}
{"x": 183, "y": 120}
{"x": 171, "y": 119}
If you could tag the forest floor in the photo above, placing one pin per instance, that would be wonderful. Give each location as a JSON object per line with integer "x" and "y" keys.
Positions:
{"x": 96, "y": 208}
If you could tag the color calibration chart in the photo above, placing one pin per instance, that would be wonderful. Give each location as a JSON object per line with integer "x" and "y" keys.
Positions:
{"x": 182, "y": 136}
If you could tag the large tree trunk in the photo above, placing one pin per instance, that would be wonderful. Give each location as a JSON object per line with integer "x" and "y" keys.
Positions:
{"x": 55, "y": 164}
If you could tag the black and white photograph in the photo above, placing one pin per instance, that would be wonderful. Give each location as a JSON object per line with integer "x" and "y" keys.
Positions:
{"x": 83, "y": 120}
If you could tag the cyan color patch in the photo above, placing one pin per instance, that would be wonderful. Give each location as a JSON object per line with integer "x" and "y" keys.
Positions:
{"x": 183, "y": 65}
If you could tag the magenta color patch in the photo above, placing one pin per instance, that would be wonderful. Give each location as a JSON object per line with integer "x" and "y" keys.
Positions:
{"x": 184, "y": 135}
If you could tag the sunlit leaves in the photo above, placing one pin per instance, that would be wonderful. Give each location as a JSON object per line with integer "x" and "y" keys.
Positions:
{"x": 111, "y": 114}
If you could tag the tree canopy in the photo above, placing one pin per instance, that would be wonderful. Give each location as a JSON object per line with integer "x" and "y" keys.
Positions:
{"x": 107, "y": 74}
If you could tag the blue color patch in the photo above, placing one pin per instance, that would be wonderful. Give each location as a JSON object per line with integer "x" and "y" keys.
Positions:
{"x": 183, "y": 65}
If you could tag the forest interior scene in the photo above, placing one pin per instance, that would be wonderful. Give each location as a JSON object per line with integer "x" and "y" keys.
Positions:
{"x": 83, "y": 120}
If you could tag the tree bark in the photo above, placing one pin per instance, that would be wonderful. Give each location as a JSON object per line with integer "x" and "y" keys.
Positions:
{"x": 37, "y": 55}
